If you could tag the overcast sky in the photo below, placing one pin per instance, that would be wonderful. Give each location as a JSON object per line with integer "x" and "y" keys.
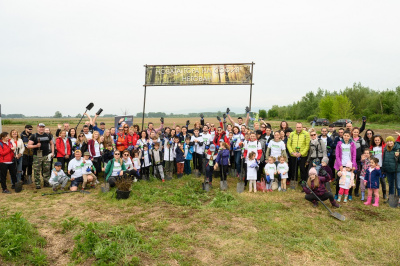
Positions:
{"x": 61, "y": 55}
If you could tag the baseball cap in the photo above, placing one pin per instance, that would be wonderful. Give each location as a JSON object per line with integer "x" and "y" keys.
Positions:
{"x": 41, "y": 125}
{"x": 86, "y": 153}
{"x": 57, "y": 164}
{"x": 102, "y": 123}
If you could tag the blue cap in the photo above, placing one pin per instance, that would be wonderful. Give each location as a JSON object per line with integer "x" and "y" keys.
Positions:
{"x": 57, "y": 164}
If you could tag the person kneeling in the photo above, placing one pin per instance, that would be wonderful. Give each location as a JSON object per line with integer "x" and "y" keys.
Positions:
{"x": 114, "y": 169}
{"x": 75, "y": 170}
{"x": 87, "y": 174}
{"x": 58, "y": 177}
{"x": 316, "y": 184}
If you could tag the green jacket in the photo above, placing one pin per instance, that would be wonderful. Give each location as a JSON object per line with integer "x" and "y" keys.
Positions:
{"x": 110, "y": 168}
{"x": 301, "y": 140}
{"x": 389, "y": 160}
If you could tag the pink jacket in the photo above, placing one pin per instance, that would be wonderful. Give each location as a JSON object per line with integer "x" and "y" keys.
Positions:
{"x": 338, "y": 152}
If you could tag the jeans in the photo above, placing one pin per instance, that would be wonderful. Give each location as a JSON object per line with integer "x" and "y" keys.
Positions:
{"x": 187, "y": 168}
{"x": 391, "y": 177}
{"x": 238, "y": 155}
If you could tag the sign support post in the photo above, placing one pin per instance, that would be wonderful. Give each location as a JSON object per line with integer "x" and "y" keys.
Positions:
{"x": 251, "y": 83}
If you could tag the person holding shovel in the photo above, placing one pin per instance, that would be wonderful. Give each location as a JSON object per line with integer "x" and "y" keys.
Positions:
{"x": 390, "y": 163}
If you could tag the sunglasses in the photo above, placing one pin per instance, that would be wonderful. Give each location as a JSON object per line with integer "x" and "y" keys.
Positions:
{"x": 80, "y": 135}
{"x": 126, "y": 154}
{"x": 126, "y": 127}
{"x": 313, "y": 134}
{"x": 116, "y": 154}
{"x": 369, "y": 133}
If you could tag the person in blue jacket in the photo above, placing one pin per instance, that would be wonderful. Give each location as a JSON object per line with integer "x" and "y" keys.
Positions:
{"x": 371, "y": 181}
{"x": 188, "y": 155}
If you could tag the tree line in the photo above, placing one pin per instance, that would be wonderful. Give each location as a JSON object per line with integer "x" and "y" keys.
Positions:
{"x": 350, "y": 103}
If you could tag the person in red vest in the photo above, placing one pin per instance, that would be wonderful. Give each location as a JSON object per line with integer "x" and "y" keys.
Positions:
{"x": 121, "y": 140}
{"x": 220, "y": 134}
{"x": 64, "y": 149}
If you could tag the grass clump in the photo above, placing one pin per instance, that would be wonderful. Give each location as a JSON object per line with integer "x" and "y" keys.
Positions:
{"x": 20, "y": 241}
{"x": 108, "y": 244}
{"x": 223, "y": 200}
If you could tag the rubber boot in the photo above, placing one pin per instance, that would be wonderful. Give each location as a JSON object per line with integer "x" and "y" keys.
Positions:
{"x": 362, "y": 195}
{"x": 339, "y": 198}
{"x": 345, "y": 198}
{"x": 225, "y": 185}
{"x": 376, "y": 204}
{"x": 368, "y": 202}
{"x": 221, "y": 185}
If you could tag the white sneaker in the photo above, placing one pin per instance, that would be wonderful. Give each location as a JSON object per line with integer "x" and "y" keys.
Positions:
{"x": 135, "y": 180}
{"x": 279, "y": 188}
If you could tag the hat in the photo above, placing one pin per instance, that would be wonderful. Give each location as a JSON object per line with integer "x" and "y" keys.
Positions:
{"x": 316, "y": 161}
{"x": 312, "y": 171}
{"x": 221, "y": 140}
{"x": 390, "y": 138}
{"x": 349, "y": 164}
{"x": 86, "y": 153}
{"x": 41, "y": 125}
{"x": 212, "y": 147}
{"x": 102, "y": 123}
{"x": 325, "y": 160}
{"x": 57, "y": 164}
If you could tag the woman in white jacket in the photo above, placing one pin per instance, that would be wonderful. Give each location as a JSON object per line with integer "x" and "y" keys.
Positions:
{"x": 19, "y": 151}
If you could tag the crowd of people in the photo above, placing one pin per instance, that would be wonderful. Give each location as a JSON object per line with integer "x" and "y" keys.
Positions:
{"x": 265, "y": 159}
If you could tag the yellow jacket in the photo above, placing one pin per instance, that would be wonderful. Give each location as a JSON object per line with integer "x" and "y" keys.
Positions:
{"x": 301, "y": 140}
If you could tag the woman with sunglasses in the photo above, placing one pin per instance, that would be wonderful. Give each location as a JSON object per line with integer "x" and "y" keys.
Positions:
{"x": 114, "y": 169}
{"x": 121, "y": 143}
{"x": 317, "y": 149}
{"x": 130, "y": 168}
{"x": 368, "y": 136}
{"x": 81, "y": 143}
{"x": 377, "y": 148}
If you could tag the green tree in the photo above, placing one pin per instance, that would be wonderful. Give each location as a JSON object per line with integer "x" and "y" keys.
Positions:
{"x": 326, "y": 107}
{"x": 78, "y": 116}
{"x": 342, "y": 107}
{"x": 262, "y": 113}
{"x": 57, "y": 114}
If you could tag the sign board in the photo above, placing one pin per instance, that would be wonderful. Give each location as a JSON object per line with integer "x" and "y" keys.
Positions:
{"x": 187, "y": 75}
{"x": 128, "y": 119}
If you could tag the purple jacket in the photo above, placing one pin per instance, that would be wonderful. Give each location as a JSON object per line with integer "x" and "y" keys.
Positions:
{"x": 353, "y": 153}
{"x": 329, "y": 171}
{"x": 320, "y": 190}
{"x": 223, "y": 157}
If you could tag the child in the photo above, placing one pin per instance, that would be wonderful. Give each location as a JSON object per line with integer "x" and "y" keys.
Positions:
{"x": 157, "y": 161}
{"x": 180, "y": 159}
{"x": 270, "y": 171}
{"x": 316, "y": 163}
{"x": 188, "y": 155}
{"x": 365, "y": 164}
{"x": 223, "y": 162}
{"x": 145, "y": 163}
{"x": 136, "y": 163}
{"x": 210, "y": 158}
{"x": 252, "y": 168}
{"x": 87, "y": 171}
{"x": 198, "y": 152}
{"x": 283, "y": 170}
{"x": 346, "y": 181}
{"x": 371, "y": 181}
{"x": 377, "y": 147}
{"x": 58, "y": 177}
{"x": 327, "y": 172}
{"x": 168, "y": 157}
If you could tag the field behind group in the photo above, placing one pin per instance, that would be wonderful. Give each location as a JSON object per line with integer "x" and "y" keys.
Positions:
{"x": 19, "y": 123}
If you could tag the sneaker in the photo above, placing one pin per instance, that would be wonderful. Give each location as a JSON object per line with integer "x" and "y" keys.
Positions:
{"x": 163, "y": 180}
{"x": 6, "y": 191}
{"x": 135, "y": 180}
{"x": 279, "y": 189}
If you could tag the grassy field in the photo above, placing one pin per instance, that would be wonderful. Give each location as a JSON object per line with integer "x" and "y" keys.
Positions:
{"x": 177, "y": 223}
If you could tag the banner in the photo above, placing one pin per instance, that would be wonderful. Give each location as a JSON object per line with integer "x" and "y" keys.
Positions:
{"x": 186, "y": 75}
{"x": 128, "y": 119}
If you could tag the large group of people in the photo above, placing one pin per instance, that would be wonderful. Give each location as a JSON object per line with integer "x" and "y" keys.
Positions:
{"x": 263, "y": 158}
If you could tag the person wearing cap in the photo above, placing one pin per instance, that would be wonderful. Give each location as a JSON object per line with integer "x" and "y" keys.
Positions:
{"x": 316, "y": 184}
{"x": 75, "y": 169}
{"x": 27, "y": 158}
{"x": 43, "y": 151}
{"x": 58, "y": 177}
{"x": 390, "y": 162}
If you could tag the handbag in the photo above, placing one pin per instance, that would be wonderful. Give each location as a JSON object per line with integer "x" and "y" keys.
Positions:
{"x": 261, "y": 186}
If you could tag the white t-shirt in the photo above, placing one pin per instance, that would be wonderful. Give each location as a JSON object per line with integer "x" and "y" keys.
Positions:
{"x": 136, "y": 163}
{"x": 207, "y": 138}
{"x": 252, "y": 146}
{"x": 77, "y": 166}
{"x": 237, "y": 139}
{"x": 270, "y": 169}
{"x": 197, "y": 148}
{"x": 276, "y": 148}
{"x": 378, "y": 154}
{"x": 88, "y": 135}
{"x": 325, "y": 140}
{"x": 346, "y": 154}
{"x": 128, "y": 163}
{"x": 283, "y": 168}
{"x": 73, "y": 141}
{"x": 55, "y": 176}
{"x": 117, "y": 169}
{"x": 168, "y": 153}
{"x": 97, "y": 149}
{"x": 251, "y": 172}
{"x": 88, "y": 163}
{"x": 146, "y": 158}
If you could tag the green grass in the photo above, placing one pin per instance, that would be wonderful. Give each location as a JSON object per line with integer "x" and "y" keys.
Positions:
{"x": 20, "y": 242}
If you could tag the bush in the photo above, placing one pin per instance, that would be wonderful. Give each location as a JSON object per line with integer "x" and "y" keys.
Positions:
{"x": 311, "y": 118}
{"x": 379, "y": 118}
{"x": 20, "y": 241}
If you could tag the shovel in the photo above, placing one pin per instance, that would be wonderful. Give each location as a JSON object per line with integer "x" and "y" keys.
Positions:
{"x": 334, "y": 214}
{"x": 240, "y": 184}
{"x": 206, "y": 184}
{"x": 64, "y": 192}
{"x": 394, "y": 198}
{"x": 293, "y": 182}
{"x": 106, "y": 186}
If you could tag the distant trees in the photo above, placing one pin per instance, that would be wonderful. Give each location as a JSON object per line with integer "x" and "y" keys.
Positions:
{"x": 57, "y": 114}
